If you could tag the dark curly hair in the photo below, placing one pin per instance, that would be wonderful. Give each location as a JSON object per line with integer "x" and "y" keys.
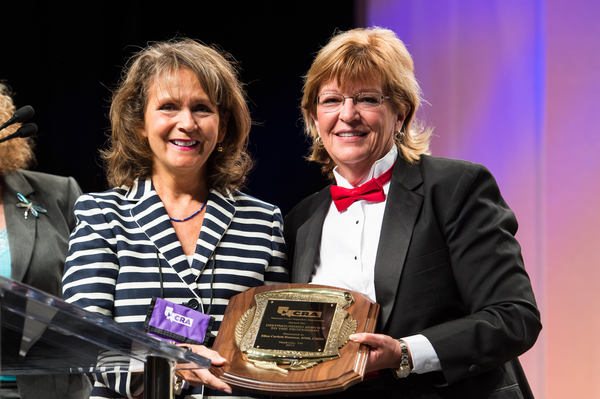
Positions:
{"x": 17, "y": 153}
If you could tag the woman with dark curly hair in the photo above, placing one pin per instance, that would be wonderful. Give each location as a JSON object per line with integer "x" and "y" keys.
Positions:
{"x": 33, "y": 246}
{"x": 175, "y": 225}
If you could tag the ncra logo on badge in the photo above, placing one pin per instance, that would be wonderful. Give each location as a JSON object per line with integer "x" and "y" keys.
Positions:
{"x": 177, "y": 318}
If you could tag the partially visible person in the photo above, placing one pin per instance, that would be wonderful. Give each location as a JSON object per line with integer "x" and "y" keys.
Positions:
{"x": 33, "y": 248}
{"x": 176, "y": 225}
{"x": 429, "y": 239}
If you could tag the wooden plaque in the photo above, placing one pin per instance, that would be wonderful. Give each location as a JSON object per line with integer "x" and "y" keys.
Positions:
{"x": 307, "y": 363}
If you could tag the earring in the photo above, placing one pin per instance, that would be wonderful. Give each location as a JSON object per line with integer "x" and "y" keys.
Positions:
{"x": 219, "y": 148}
{"x": 319, "y": 142}
{"x": 399, "y": 135}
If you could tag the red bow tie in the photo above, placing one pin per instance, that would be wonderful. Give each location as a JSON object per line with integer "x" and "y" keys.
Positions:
{"x": 370, "y": 191}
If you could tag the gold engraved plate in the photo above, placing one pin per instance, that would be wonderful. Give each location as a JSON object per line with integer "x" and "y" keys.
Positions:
{"x": 295, "y": 329}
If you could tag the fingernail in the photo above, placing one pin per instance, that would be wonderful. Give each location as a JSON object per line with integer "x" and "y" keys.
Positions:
{"x": 227, "y": 390}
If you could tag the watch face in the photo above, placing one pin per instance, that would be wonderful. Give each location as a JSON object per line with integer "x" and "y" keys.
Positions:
{"x": 403, "y": 371}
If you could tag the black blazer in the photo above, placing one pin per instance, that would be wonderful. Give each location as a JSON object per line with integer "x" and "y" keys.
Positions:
{"x": 448, "y": 267}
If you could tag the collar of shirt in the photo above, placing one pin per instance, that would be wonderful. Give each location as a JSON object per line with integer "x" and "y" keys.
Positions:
{"x": 379, "y": 167}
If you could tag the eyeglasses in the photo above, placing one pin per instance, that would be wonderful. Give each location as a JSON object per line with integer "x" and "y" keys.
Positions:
{"x": 331, "y": 102}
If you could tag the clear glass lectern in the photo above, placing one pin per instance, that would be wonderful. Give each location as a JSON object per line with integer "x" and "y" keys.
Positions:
{"x": 42, "y": 334}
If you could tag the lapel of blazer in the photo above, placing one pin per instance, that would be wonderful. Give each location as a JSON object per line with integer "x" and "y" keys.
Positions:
{"x": 401, "y": 211}
{"x": 21, "y": 231}
{"x": 150, "y": 215}
{"x": 220, "y": 211}
{"x": 308, "y": 238}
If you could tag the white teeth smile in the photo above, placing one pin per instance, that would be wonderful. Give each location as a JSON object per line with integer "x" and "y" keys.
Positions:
{"x": 182, "y": 143}
{"x": 350, "y": 134}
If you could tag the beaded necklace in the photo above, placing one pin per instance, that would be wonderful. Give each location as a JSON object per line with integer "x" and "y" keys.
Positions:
{"x": 189, "y": 217}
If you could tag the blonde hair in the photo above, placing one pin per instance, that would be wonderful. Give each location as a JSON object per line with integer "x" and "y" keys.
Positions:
{"x": 129, "y": 155}
{"x": 16, "y": 153}
{"x": 365, "y": 55}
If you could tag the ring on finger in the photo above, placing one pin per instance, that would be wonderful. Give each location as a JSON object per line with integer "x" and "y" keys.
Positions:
{"x": 178, "y": 383}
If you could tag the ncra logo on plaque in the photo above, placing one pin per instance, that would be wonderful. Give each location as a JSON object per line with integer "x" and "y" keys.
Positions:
{"x": 285, "y": 311}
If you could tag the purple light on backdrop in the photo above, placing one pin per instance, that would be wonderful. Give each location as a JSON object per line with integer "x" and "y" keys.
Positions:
{"x": 481, "y": 65}
{"x": 515, "y": 85}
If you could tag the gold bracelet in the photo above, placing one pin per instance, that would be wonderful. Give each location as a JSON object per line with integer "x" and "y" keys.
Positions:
{"x": 404, "y": 369}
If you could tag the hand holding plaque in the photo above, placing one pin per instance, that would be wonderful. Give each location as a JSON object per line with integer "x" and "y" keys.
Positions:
{"x": 293, "y": 339}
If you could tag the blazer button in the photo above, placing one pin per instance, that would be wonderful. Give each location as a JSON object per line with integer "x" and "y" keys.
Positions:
{"x": 193, "y": 304}
{"x": 474, "y": 369}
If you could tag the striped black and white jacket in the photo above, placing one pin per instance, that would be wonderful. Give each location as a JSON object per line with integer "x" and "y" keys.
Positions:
{"x": 112, "y": 265}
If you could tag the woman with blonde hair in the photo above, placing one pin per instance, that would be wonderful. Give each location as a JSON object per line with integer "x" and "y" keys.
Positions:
{"x": 429, "y": 239}
{"x": 176, "y": 225}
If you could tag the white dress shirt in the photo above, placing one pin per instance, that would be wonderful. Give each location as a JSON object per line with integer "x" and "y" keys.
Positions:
{"x": 349, "y": 248}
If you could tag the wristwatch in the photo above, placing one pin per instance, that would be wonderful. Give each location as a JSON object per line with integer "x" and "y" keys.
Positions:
{"x": 404, "y": 369}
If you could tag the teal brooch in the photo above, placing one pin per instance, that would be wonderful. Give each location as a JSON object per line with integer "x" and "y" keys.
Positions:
{"x": 35, "y": 210}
